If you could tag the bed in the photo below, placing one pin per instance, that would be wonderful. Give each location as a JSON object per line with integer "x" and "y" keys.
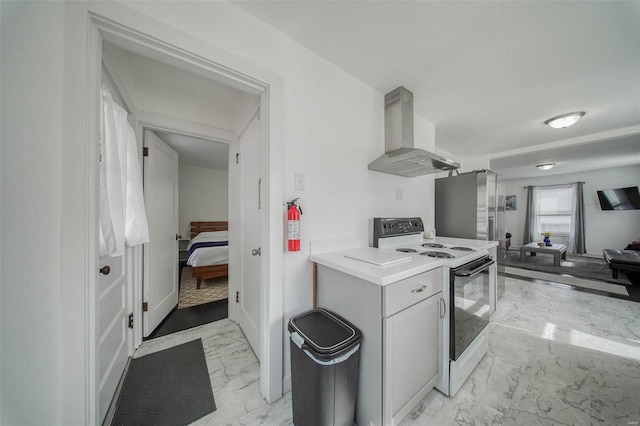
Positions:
{"x": 208, "y": 250}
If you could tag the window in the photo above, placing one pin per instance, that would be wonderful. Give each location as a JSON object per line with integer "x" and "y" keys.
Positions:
{"x": 553, "y": 209}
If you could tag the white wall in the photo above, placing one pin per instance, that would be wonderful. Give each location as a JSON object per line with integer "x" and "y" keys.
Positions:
{"x": 604, "y": 229}
{"x": 203, "y": 196}
{"x": 172, "y": 92}
{"x": 478, "y": 162}
{"x": 333, "y": 127}
{"x": 31, "y": 310}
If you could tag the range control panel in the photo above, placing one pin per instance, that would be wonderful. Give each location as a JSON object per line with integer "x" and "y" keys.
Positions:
{"x": 385, "y": 227}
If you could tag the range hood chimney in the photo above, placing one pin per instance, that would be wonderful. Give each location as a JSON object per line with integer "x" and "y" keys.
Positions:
{"x": 400, "y": 157}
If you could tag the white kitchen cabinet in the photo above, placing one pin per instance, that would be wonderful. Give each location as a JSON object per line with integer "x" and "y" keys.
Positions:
{"x": 401, "y": 347}
{"x": 412, "y": 356}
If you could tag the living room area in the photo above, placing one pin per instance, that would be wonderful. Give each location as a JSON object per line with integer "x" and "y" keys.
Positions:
{"x": 545, "y": 247}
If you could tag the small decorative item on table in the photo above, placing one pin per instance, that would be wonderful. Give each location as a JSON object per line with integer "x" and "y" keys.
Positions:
{"x": 546, "y": 240}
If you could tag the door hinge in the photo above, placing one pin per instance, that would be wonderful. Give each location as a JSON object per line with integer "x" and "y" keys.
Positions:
{"x": 145, "y": 152}
{"x": 145, "y": 306}
{"x": 237, "y": 158}
{"x": 131, "y": 320}
{"x": 237, "y": 297}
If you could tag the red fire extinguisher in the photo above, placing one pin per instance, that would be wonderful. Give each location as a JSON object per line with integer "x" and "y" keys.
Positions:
{"x": 293, "y": 225}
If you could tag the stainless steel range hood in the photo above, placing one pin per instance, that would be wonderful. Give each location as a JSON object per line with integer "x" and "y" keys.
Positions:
{"x": 400, "y": 157}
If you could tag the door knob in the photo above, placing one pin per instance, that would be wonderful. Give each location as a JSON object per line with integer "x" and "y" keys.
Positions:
{"x": 178, "y": 237}
{"x": 105, "y": 270}
{"x": 257, "y": 252}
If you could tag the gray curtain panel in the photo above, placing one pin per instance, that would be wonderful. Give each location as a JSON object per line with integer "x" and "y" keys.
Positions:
{"x": 529, "y": 218}
{"x": 578, "y": 224}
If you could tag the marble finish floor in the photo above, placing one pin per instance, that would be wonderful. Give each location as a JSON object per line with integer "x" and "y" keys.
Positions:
{"x": 556, "y": 357}
{"x": 575, "y": 281}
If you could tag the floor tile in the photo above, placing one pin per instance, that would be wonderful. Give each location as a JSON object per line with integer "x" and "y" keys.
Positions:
{"x": 556, "y": 357}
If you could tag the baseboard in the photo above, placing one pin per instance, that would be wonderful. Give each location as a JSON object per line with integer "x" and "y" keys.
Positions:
{"x": 286, "y": 384}
{"x": 111, "y": 411}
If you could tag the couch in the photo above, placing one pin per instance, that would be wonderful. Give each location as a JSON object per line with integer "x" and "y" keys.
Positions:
{"x": 627, "y": 261}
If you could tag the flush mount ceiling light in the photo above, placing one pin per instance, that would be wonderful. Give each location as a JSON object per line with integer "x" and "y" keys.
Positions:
{"x": 564, "y": 120}
{"x": 546, "y": 166}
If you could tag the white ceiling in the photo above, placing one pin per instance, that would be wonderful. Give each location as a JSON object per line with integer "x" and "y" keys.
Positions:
{"x": 611, "y": 153}
{"x": 197, "y": 152}
{"x": 488, "y": 73}
{"x": 155, "y": 85}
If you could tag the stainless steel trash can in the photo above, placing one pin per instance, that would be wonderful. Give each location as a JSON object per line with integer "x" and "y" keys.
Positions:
{"x": 325, "y": 352}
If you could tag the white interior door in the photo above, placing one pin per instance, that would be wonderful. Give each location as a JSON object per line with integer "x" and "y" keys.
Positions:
{"x": 251, "y": 211}
{"x": 114, "y": 333}
{"x": 160, "y": 283}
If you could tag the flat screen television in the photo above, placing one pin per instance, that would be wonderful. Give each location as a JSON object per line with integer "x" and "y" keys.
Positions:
{"x": 619, "y": 198}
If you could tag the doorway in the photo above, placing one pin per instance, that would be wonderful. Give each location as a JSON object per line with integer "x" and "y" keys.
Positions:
{"x": 270, "y": 336}
{"x": 166, "y": 102}
{"x": 203, "y": 194}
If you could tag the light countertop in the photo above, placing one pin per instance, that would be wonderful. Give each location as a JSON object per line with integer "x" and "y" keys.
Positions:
{"x": 383, "y": 275}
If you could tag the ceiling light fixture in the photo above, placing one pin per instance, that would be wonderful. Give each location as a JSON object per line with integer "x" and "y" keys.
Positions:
{"x": 546, "y": 166}
{"x": 564, "y": 120}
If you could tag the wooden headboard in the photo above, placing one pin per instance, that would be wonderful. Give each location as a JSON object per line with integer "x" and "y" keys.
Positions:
{"x": 198, "y": 227}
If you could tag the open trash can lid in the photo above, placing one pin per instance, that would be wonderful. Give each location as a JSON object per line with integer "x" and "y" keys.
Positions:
{"x": 324, "y": 332}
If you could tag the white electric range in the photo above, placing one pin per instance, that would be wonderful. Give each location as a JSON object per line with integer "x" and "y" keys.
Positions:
{"x": 466, "y": 292}
{"x": 359, "y": 281}
{"x": 399, "y": 251}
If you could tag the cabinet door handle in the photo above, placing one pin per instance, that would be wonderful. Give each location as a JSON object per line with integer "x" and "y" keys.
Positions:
{"x": 419, "y": 289}
{"x": 443, "y": 308}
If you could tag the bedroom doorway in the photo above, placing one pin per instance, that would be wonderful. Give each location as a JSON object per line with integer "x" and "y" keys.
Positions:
{"x": 199, "y": 252}
{"x": 200, "y": 119}
{"x": 162, "y": 42}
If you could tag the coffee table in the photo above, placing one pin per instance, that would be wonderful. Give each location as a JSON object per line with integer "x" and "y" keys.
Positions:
{"x": 557, "y": 250}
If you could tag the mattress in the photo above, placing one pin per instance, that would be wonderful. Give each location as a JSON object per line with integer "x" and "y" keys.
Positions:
{"x": 207, "y": 256}
{"x": 209, "y": 248}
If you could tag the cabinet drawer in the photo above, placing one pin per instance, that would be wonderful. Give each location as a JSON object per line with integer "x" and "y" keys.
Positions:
{"x": 402, "y": 294}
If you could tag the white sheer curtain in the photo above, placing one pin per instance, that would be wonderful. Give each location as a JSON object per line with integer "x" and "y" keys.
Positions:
{"x": 123, "y": 219}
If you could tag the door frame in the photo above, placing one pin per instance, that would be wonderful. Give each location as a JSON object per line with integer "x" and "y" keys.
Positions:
{"x": 116, "y": 24}
{"x": 155, "y": 122}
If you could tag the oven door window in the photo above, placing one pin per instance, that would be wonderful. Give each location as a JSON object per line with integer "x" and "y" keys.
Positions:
{"x": 470, "y": 313}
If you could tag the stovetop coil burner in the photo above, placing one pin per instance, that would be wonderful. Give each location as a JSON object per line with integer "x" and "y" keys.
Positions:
{"x": 433, "y": 245}
{"x": 461, "y": 248}
{"x": 407, "y": 250}
{"x": 439, "y": 254}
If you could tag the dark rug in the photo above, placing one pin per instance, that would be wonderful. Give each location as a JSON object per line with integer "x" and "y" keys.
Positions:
{"x": 576, "y": 265}
{"x": 183, "y": 319}
{"x": 170, "y": 387}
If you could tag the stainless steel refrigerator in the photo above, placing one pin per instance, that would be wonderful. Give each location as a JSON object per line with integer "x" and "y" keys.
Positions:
{"x": 470, "y": 205}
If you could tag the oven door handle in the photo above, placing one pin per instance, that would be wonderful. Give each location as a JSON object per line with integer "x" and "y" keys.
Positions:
{"x": 471, "y": 273}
